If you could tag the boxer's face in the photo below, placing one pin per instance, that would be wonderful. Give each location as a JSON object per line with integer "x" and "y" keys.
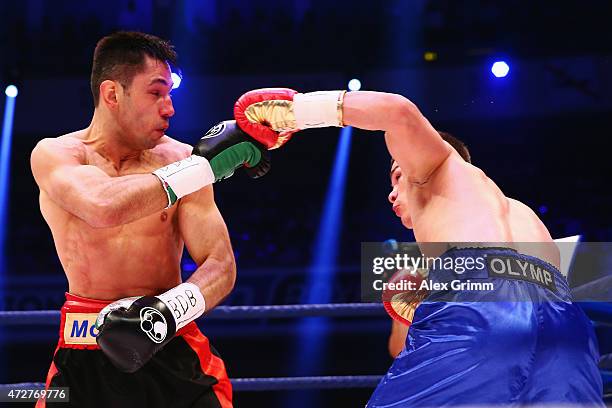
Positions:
{"x": 145, "y": 106}
{"x": 398, "y": 195}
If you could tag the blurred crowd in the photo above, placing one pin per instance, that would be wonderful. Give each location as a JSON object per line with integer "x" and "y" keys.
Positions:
{"x": 57, "y": 38}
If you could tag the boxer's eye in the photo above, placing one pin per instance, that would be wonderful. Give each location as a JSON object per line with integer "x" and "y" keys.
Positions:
{"x": 395, "y": 179}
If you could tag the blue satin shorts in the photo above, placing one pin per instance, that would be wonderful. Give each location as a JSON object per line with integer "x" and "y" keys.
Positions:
{"x": 522, "y": 343}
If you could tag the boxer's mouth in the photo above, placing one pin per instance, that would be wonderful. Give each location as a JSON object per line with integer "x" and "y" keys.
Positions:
{"x": 396, "y": 210}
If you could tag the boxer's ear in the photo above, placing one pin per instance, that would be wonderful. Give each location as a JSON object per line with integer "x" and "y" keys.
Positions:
{"x": 108, "y": 93}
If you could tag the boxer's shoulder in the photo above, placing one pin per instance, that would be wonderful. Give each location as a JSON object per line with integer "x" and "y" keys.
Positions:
{"x": 69, "y": 145}
{"x": 526, "y": 226}
{"x": 169, "y": 150}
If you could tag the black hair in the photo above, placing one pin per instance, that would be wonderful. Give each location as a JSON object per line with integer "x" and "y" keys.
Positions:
{"x": 121, "y": 55}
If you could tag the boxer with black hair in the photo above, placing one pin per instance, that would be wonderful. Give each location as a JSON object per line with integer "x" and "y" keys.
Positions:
{"x": 122, "y": 200}
{"x": 524, "y": 342}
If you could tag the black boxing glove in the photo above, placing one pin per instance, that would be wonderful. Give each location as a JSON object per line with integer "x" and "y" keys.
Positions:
{"x": 132, "y": 330}
{"x": 227, "y": 148}
{"x": 222, "y": 150}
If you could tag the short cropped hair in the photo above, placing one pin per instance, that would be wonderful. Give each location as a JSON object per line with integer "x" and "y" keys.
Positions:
{"x": 121, "y": 55}
{"x": 457, "y": 144}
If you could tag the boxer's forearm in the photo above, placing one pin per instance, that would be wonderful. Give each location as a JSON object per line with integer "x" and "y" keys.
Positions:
{"x": 215, "y": 278}
{"x": 207, "y": 240}
{"x": 128, "y": 198}
{"x": 120, "y": 200}
{"x": 397, "y": 339}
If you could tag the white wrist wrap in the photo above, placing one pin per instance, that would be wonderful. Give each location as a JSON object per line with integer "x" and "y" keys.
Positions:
{"x": 318, "y": 109}
{"x": 184, "y": 177}
{"x": 185, "y": 302}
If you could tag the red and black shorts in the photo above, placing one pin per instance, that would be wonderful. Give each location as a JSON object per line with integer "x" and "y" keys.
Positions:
{"x": 187, "y": 372}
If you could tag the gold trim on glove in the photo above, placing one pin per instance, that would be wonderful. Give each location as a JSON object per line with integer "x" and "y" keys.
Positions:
{"x": 340, "y": 106}
{"x": 278, "y": 114}
{"x": 405, "y": 304}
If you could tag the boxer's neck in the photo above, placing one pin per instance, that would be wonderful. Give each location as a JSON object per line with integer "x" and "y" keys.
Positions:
{"x": 105, "y": 138}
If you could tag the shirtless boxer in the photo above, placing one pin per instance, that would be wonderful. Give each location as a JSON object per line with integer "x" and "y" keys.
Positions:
{"x": 522, "y": 343}
{"x": 122, "y": 200}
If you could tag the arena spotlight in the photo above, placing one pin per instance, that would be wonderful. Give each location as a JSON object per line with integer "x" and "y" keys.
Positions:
{"x": 500, "y": 69}
{"x": 326, "y": 245}
{"x": 5, "y": 166}
{"x": 311, "y": 347}
{"x": 11, "y": 91}
{"x": 176, "y": 80}
{"x": 354, "y": 84}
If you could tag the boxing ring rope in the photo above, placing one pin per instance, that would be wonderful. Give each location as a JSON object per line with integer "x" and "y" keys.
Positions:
{"x": 272, "y": 384}
{"x": 52, "y": 317}
{"x": 602, "y": 311}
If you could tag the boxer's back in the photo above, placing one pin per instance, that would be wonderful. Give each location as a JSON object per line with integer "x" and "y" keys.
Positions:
{"x": 139, "y": 258}
{"x": 461, "y": 204}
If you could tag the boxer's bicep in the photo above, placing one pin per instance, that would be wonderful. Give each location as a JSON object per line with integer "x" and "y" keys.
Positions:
{"x": 411, "y": 139}
{"x": 418, "y": 149}
{"x": 207, "y": 240}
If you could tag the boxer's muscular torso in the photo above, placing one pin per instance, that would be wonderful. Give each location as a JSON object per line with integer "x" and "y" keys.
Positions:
{"x": 138, "y": 258}
{"x": 459, "y": 203}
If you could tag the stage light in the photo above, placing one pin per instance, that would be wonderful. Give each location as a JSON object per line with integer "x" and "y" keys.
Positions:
{"x": 11, "y": 91}
{"x": 5, "y": 166}
{"x": 176, "y": 80}
{"x": 500, "y": 69}
{"x": 311, "y": 348}
{"x": 430, "y": 56}
{"x": 354, "y": 84}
